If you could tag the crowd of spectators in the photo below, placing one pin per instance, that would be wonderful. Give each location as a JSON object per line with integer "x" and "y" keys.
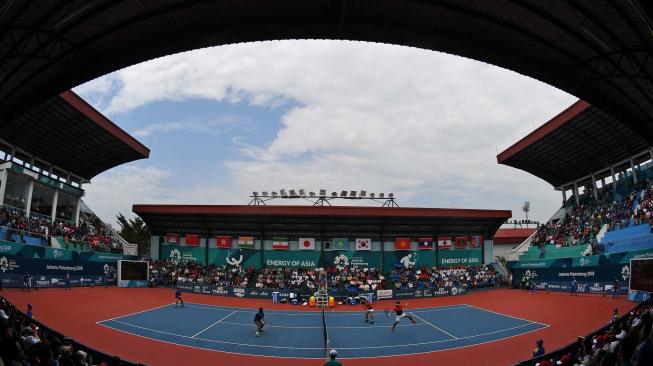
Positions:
{"x": 462, "y": 276}
{"x": 91, "y": 233}
{"x": 346, "y": 280}
{"x": 171, "y": 273}
{"x": 627, "y": 341}
{"x": 583, "y": 223}
{"x": 25, "y": 343}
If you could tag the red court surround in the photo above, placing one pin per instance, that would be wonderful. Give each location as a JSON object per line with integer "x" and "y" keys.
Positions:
{"x": 75, "y": 313}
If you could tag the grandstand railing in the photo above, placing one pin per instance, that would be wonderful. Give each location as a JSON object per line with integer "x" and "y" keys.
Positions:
{"x": 94, "y": 356}
{"x": 575, "y": 346}
{"x": 513, "y": 254}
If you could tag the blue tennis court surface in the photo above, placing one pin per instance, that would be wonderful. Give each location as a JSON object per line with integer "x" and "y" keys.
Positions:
{"x": 301, "y": 333}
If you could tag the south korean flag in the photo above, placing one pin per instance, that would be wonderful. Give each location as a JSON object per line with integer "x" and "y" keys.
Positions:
{"x": 363, "y": 244}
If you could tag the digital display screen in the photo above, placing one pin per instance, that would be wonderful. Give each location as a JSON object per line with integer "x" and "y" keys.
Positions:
{"x": 133, "y": 271}
{"x": 641, "y": 275}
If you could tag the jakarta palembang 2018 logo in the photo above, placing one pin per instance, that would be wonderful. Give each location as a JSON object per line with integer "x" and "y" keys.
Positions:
{"x": 341, "y": 261}
{"x": 4, "y": 264}
{"x": 625, "y": 273}
{"x": 175, "y": 255}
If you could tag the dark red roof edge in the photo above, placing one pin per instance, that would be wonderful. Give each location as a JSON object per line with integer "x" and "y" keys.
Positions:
{"x": 550, "y": 126}
{"x": 102, "y": 121}
{"x": 512, "y": 236}
{"x": 320, "y": 211}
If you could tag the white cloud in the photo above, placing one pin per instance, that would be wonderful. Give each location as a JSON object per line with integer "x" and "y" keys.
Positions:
{"x": 423, "y": 124}
{"x": 222, "y": 125}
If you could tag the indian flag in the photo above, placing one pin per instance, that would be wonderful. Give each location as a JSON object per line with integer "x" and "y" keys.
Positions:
{"x": 280, "y": 243}
{"x": 246, "y": 242}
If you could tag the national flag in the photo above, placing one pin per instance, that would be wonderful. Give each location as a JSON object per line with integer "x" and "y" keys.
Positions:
{"x": 306, "y": 243}
{"x": 172, "y": 238}
{"x": 461, "y": 242}
{"x": 246, "y": 242}
{"x": 425, "y": 243}
{"x": 280, "y": 243}
{"x": 402, "y": 243}
{"x": 223, "y": 242}
{"x": 340, "y": 244}
{"x": 192, "y": 240}
{"x": 363, "y": 244}
{"x": 444, "y": 242}
{"x": 477, "y": 241}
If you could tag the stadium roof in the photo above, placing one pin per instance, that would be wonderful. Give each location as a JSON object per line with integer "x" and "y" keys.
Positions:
{"x": 319, "y": 220}
{"x": 69, "y": 134}
{"x": 512, "y": 236}
{"x": 580, "y": 141}
{"x": 600, "y": 51}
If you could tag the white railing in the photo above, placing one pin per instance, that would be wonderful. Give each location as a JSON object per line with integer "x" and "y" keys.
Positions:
{"x": 513, "y": 254}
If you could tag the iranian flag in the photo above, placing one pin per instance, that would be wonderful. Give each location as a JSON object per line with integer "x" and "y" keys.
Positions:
{"x": 444, "y": 242}
{"x": 172, "y": 238}
{"x": 246, "y": 242}
{"x": 306, "y": 243}
{"x": 223, "y": 242}
{"x": 402, "y": 244}
{"x": 363, "y": 244}
{"x": 425, "y": 243}
{"x": 280, "y": 243}
{"x": 192, "y": 240}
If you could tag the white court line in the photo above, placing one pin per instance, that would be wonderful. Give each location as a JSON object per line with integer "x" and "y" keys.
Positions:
{"x": 317, "y": 312}
{"x": 509, "y": 316}
{"x": 216, "y": 323}
{"x": 207, "y": 340}
{"x": 320, "y": 327}
{"x": 321, "y": 348}
{"x": 138, "y": 312}
{"x": 436, "y": 327}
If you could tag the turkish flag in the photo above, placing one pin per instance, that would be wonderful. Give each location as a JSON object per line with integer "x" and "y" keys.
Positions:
{"x": 223, "y": 242}
{"x": 402, "y": 244}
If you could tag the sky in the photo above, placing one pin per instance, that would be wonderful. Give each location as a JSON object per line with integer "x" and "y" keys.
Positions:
{"x": 223, "y": 122}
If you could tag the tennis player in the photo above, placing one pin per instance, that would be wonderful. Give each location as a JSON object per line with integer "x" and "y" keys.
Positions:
{"x": 368, "y": 307}
{"x": 178, "y": 298}
{"x": 259, "y": 320}
{"x": 400, "y": 313}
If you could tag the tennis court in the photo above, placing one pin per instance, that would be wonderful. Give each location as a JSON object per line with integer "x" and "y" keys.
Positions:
{"x": 307, "y": 334}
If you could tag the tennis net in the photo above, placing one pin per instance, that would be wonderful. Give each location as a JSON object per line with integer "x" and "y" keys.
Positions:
{"x": 326, "y": 334}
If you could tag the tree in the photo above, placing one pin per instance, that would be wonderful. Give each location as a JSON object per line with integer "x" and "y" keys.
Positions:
{"x": 135, "y": 231}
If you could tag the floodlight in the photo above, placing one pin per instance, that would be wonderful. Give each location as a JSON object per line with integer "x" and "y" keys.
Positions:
{"x": 302, "y": 192}
{"x": 312, "y": 194}
{"x": 352, "y": 194}
{"x": 322, "y": 192}
{"x": 343, "y": 194}
{"x": 283, "y": 193}
{"x": 274, "y": 194}
{"x": 381, "y": 195}
{"x": 372, "y": 195}
{"x": 391, "y": 195}
{"x": 334, "y": 194}
{"x": 265, "y": 194}
{"x": 255, "y": 194}
{"x": 363, "y": 193}
{"x": 293, "y": 193}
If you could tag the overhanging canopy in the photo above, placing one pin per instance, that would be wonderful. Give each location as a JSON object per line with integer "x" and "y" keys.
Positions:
{"x": 334, "y": 221}
{"x": 600, "y": 51}
{"x": 69, "y": 134}
{"x": 580, "y": 141}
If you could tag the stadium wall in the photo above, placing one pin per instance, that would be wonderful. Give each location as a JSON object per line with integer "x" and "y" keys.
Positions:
{"x": 48, "y": 266}
{"x": 386, "y": 260}
{"x": 594, "y": 274}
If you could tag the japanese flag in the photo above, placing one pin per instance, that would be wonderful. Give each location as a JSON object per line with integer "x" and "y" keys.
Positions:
{"x": 306, "y": 243}
{"x": 363, "y": 244}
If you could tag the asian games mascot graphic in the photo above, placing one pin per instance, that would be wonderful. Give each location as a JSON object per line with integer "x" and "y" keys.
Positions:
{"x": 409, "y": 260}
